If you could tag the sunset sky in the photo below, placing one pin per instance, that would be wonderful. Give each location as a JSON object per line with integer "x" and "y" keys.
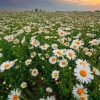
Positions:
{"x": 51, "y": 4}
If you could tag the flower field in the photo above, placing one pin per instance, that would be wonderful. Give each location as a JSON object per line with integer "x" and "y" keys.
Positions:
{"x": 49, "y": 55}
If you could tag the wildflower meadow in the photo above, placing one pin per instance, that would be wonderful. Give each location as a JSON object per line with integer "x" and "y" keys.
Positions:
{"x": 49, "y": 55}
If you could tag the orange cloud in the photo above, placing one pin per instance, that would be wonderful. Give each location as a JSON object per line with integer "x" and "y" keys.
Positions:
{"x": 81, "y": 2}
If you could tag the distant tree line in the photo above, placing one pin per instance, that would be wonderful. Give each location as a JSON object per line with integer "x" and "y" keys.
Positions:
{"x": 97, "y": 10}
{"x": 38, "y": 10}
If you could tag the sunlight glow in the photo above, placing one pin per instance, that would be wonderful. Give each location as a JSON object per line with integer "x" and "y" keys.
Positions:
{"x": 82, "y": 2}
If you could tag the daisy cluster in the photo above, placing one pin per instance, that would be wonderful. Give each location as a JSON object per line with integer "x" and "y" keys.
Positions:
{"x": 49, "y": 55}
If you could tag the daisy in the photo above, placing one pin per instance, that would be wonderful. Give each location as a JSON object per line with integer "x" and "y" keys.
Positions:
{"x": 96, "y": 71}
{"x": 94, "y": 42}
{"x": 55, "y": 74}
{"x": 33, "y": 54}
{"x": 28, "y": 62}
{"x": 9, "y": 38}
{"x": 62, "y": 40}
{"x": 61, "y": 33}
{"x": 83, "y": 63}
{"x": 16, "y": 41}
{"x": 53, "y": 59}
{"x": 27, "y": 29}
{"x": 73, "y": 46}
{"x": 79, "y": 91}
{"x": 6, "y": 65}
{"x": 47, "y": 55}
{"x": 58, "y": 52}
{"x": 44, "y": 47}
{"x": 85, "y": 49}
{"x": 35, "y": 42}
{"x": 49, "y": 90}
{"x": 34, "y": 72}
{"x": 89, "y": 53}
{"x": 51, "y": 98}
{"x": 66, "y": 43}
{"x": 70, "y": 54}
{"x": 83, "y": 74}
{"x": 23, "y": 85}
{"x": 42, "y": 99}
{"x": 14, "y": 95}
{"x": 78, "y": 42}
{"x": 63, "y": 63}
{"x": 54, "y": 46}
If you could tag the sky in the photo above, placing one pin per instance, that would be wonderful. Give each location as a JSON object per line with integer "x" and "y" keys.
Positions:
{"x": 58, "y": 5}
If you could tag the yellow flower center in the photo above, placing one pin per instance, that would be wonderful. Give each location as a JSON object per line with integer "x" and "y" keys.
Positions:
{"x": 15, "y": 97}
{"x": 34, "y": 72}
{"x": 59, "y": 52}
{"x": 74, "y": 46}
{"x": 80, "y": 91}
{"x": 62, "y": 33}
{"x": 44, "y": 46}
{"x": 53, "y": 59}
{"x": 55, "y": 75}
{"x": 83, "y": 73}
{"x": 78, "y": 42}
{"x": 6, "y": 66}
{"x": 34, "y": 42}
{"x": 70, "y": 54}
{"x": 95, "y": 41}
{"x": 63, "y": 63}
{"x": 82, "y": 63}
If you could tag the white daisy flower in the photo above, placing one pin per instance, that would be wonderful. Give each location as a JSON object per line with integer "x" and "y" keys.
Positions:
{"x": 94, "y": 42}
{"x": 61, "y": 33}
{"x": 54, "y": 46}
{"x": 27, "y": 29}
{"x": 55, "y": 74}
{"x": 73, "y": 46}
{"x": 70, "y": 54}
{"x": 14, "y": 95}
{"x": 6, "y": 65}
{"x": 83, "y": 74}
{"x": 44, "y": 47}
{"x": 42, "y": 99}
{"x": 33, "y": 54}
{"x": 58, "y": 52}
{"x": 79, "y": 91}
{"x": 96, "y": 71}
{"x": 78, "y": 42}
{"x": 35, "y": 42}
{"x": 34, "y": 72}
{"x": 16, "y": 41}
{"x": 49, "y": 90}
{"x": 53, "y": 59}
{"x": 9, "y": 38}
{"x": 89, "y": 53}
{"x": 51, "y": 98}
{"x": 28, "y": 62}
{"x": 83, "y": 63}
{"x": 23, "y": 85}
{"x": 63, "y": 63}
